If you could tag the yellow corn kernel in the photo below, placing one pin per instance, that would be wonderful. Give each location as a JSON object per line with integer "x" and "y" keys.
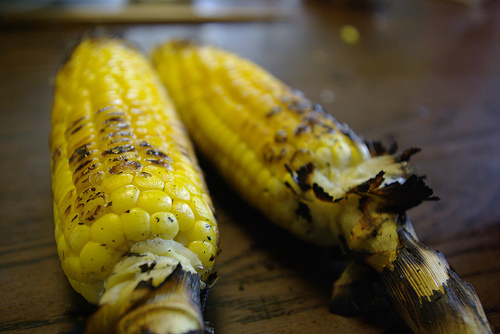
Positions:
{"x": 98, "y": 259}
{"x": 160, "y": 173}
{"x": 135, "y": 224}
{"x": 108, "y": 230}
{"x": 154, "y": 201}
{"x": 124, "y": 177}
{"x": 324, "y": 183}
{"x": 184, "y": 215}
{"x": 79, "y": 236}
{"x": 205, "y": 251}
{"x": 63, "y": 249}
{"x": 113, "y": 182}
{"x": 201, "y": 210}
{"x": 124, "y": 198}
{"x": 164, "y": 225}
{"x": 146, "y": 181}
{"x": 177, "y": 191}
{"x": 269, "y": 141}
{"x": 201, "y": 231}
{"x": 73, "y": 269}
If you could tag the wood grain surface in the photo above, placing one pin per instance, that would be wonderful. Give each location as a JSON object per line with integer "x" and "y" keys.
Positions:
{"x": 424, "y": 73}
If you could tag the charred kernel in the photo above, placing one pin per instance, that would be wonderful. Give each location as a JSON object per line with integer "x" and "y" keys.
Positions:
{"x": 119, "y": 134}
{"x": 120, "y": 140}
{"x": 274, "y": 111}
{"x": 125, "y": 167}
{"x": 160, "y": 162}
{"x": 104, "y": 109}
{"x": 156, "y": 153}
{"x": 114, "y": 119}
{"x": 281, "y": 136}
{"x": 81, "y": 152}
{"x": 301, "y": 128}
{"x": 119, "y": 149}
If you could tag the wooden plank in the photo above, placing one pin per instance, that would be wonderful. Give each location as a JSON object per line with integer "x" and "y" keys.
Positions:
{"x": 146, "y": 13}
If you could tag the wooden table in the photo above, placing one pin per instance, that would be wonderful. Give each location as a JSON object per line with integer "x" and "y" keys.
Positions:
{"x": 425, "y": 73}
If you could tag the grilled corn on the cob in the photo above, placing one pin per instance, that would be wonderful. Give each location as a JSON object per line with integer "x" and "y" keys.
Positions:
{"x": 134, "y": 224}
{"x": 315, "y": 177}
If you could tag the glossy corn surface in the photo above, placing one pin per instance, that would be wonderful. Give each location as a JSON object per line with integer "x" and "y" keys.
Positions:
{"x": 316, "y": 178}
{"x": 125, "y": 178}
{"x": 282, "y": 152}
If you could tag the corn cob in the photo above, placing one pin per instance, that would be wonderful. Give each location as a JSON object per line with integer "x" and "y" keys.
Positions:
{"x": 313, "y": 176}
{"x": 134, "y": 223}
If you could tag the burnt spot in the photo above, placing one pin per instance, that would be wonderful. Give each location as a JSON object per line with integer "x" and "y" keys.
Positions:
{"x": 116, "y": 113}
{"x": 75, "y": 126}
{"x": 369, "y": 185}
{"x": 68, "y": 210}
{"x": 271, "y": 153}
{"x": 275, "y": 110}
{"x": 104, "y": 109}
{"x": 267, "y": 153}
{"x": 159, "y": 162}
{"x": 146, "y": 267}
{"x": 81, "y": 152}
{"x": 321, "y": 129}
{"x": 301, "y": 128}
{"x": 115, "y": 119}
{"x": 81, "y": 166}
{"x": 119, "y": 134}
{"x": 126, "y": 166}
{"x": 289, "y": 186}
{"x": 302, "y": 176}
{"x": 321, "y": 194}
{"x": 119, "y": 149}
{"x": 144, "y": 144}
{"x": 304, "y": 212}
{"x": 120, "y": 140}
{"x": 75, "y": 130}
{"x": 157, "y": 153}
{"x": 280, "y": 137}
{"x": 56, "y": 155}
{"x": 125, "y": 157}
{"x": 116, "y": 126}
{"x": 92, "y": 216}
{"x": 406, "y": 155}
{"x": 132, "y": 254}
{"x": 84, "y": 172}
{"x": 376, "y": 148}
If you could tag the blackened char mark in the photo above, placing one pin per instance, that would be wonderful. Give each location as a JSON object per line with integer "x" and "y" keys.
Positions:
{"x": 321, "y": 194}
{"x": 304, "y": 212}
